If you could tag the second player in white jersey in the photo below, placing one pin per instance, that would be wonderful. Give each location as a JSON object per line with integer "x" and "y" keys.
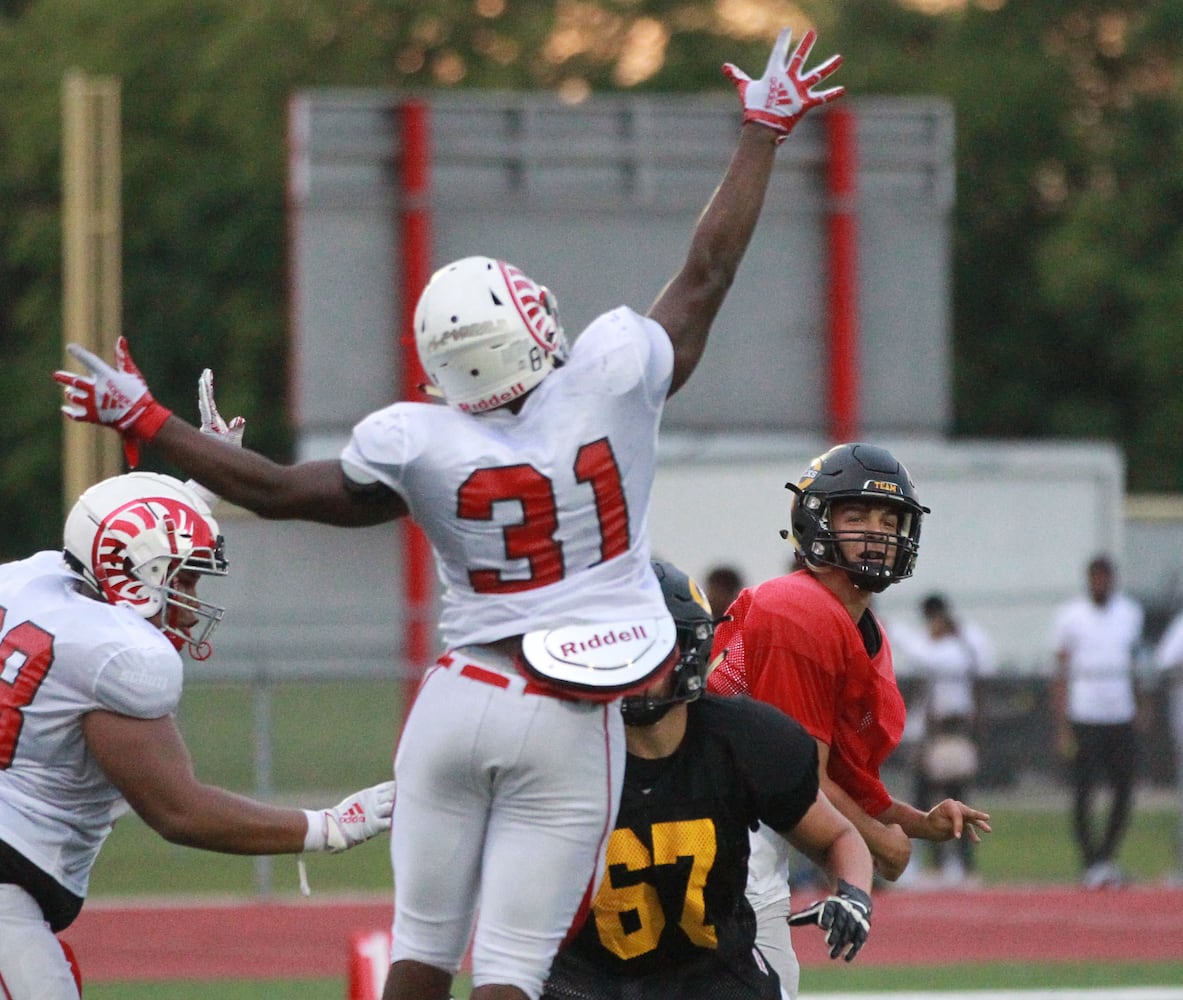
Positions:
{"x": 90, "y": 679}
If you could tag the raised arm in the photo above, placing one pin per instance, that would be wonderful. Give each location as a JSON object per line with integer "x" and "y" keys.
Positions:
{"x": 119, "y": 397}
{"x": 772, "y": 106}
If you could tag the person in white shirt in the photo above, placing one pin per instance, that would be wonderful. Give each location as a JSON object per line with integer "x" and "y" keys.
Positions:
{"x": 533, "y": 487}
{"x": 950, "y": 656}
{"x": 1095, "y": 638}
{"x": 1168, "y": 658}
{"x": 90, "y": 681}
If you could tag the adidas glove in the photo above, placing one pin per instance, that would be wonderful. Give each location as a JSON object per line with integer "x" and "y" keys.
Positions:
{"x": 214, "y": 425}
{"x": 782, "y": 96}
{"x": 352, "y": 821}
{"x": 845, "y": 916}
{"x": 115, "y": 397}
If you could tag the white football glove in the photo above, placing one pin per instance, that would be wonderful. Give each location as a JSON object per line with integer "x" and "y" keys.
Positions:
{"x": 782, "y": 96}
{"x": 845, "y": 916}
{"x": 114, "y": 397}
{"x": 352, "y": 821}
{"x": 213, "y": 425}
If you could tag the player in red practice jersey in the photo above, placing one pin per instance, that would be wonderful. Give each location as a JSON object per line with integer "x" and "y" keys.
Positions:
{"x": 810, "y": 644}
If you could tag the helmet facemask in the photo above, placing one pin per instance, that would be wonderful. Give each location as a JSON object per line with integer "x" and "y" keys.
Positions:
{"x": 823, "y": 545}
{"x": 158, "y": 574}
{"x": 865, "y": 475}
{"x": 695, "y": 636}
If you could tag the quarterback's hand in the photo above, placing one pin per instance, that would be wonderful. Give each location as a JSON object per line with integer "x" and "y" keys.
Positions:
{"x": 845, "y": 916}
{"x": 115, "y": 397}
{"x": 352, "y": 821}
{"x": 782, "y": 96}
{"x": 215, "y": 426}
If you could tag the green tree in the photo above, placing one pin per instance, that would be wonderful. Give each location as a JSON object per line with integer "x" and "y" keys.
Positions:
{"x": 1068, "y": 260}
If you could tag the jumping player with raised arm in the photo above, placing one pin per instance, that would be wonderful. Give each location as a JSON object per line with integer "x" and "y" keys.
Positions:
{"x": 90, "y": 681}
{"x": 533, "y": 486}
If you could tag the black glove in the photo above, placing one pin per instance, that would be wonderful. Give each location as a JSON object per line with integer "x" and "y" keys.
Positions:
{"x": 846, "y": 917}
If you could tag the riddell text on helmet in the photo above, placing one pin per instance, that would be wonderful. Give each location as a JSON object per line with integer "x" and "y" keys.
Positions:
{"x": 497, "y": 399}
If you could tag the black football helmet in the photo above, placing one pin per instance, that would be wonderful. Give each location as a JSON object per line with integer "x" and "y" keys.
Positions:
{"x": 696, "y": 633}
{"x": 855, "y": 472}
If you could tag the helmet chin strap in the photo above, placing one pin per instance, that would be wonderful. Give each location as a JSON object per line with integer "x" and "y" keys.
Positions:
{"x": 646, "y": 715}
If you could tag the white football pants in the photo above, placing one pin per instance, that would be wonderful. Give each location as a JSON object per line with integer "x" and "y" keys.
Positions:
{"x": 32, "y": 963}
{"x": 505, "y": 802}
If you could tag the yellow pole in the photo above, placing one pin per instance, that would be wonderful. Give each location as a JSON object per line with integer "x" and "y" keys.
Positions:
{"x": 92, "y": 286}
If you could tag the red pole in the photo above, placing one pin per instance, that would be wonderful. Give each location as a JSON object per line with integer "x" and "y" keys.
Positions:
{"x": 414, "y": 226}
{"x": 842, "y": 228}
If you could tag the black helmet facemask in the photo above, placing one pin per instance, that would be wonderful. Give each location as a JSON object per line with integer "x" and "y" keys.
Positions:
{"x": 856, "y": 473}
{"x": 696, "y": 633}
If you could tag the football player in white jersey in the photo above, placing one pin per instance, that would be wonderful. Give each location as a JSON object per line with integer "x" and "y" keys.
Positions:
{"x": 532, "y": 485}
{"x": 90, "y": 678}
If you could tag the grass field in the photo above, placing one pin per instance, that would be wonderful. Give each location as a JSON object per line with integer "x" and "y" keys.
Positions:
{"x": 331, "y": 737}
{"x": 813, "y": 981}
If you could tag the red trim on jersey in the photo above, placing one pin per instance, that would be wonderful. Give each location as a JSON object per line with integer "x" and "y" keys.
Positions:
{"x": 792, "y": 644}
{"x": 593, "y": 885}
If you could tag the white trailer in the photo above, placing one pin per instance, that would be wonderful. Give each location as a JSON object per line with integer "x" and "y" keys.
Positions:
{"x": 1011, "y": 529}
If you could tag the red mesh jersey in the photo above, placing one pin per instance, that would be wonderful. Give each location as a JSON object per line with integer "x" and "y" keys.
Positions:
{"x": 791, "y": 643}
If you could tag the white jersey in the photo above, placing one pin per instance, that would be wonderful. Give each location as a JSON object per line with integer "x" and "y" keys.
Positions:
{"x": 538, "y": 518}
{"x": 949, "y": 664}
{"x": 1100, "y": 643}
{"x": 63, "y": 655}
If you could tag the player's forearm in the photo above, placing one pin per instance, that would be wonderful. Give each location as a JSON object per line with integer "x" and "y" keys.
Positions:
{"x": 213, "y": 819}
{"x": 911, "y": 820}
{"x": 726, "y": 226}
{"x": 688, "y": 305}
{"x": 238, "y": 475}
{"x": 310, "y": 491}
{"x": 848, "y": 858}
{"x": 889, "y": 846}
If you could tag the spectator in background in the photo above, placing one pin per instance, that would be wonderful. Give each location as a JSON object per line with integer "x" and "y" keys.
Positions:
{"x": 723, "y": 584}
{"x": 1095, "y": 638}
{"x": 949, "y": 658}
{"x": 1168, "y": 657}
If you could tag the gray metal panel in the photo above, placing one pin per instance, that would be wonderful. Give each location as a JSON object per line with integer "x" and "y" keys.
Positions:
{"x": 344, "y": 263}
{"x": 598, "y": 200}
{"x": 307, "y": 600}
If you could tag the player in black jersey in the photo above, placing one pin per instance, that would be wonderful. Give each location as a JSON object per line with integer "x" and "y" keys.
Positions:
{"x": 670, "y": 918}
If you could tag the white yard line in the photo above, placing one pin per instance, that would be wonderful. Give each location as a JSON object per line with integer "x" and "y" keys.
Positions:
{"x": 1102, "y": 993}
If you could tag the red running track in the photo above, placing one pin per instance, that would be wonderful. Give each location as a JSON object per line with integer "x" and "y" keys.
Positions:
{"x": 310, "y": 938}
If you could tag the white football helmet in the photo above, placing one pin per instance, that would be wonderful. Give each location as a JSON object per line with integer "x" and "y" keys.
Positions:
{"x": 129, "y": 536}
{"x": 486, "y": 333}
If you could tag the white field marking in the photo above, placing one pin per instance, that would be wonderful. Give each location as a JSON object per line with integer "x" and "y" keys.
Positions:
{"x": 1102, "y": 993}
